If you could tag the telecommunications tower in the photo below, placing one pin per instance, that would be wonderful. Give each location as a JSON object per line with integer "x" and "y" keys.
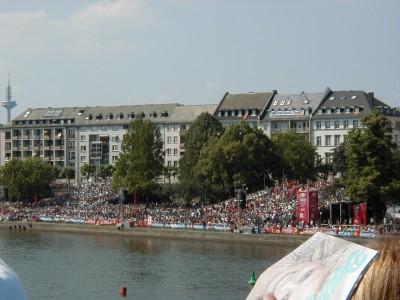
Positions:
{"x": 8, "y": 103}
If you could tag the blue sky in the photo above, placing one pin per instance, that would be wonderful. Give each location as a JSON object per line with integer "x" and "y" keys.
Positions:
{"x": 98, "y": 53}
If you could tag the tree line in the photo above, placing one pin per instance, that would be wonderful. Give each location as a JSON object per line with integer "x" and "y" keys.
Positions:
{"x": 218, "y": 161}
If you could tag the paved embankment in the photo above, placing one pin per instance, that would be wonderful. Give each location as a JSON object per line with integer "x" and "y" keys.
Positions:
{"x": 159, "y": 233}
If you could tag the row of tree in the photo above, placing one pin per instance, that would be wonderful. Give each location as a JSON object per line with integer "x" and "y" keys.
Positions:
{"x": 217, "y": 161}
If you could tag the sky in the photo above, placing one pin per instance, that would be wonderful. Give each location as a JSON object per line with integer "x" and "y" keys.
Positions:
{"x": 71, "y": 53}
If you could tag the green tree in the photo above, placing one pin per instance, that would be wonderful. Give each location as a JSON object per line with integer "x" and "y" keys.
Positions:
{"x": 141, "y": 159}
{"x": 339, "y": 159}
{"x": 88, "y": 170}
{"x": 371, "y": 174}
{"x": 68, "y": 173}
{"x": 27, "y": 178}
{"x": 106, "y": 171}
{"x": 200, "y": 132}
{"x": 241, "y": 156}
{"x": 298, "y": 156}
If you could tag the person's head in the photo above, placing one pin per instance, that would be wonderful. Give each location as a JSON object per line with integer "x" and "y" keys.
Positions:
{"x": 382, "y": 279}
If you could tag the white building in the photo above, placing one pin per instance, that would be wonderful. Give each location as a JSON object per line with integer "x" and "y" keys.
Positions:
{"x": 75, "y": 136}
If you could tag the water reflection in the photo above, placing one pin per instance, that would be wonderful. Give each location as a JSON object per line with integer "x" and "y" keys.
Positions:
{"x": 84, "y": 266}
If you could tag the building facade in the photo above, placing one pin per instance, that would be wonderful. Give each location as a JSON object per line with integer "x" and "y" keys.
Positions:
{"x": 75, "y": 136}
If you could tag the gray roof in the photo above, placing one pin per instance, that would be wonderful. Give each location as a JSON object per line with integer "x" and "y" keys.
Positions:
{"x": 100, "y": 115}
{"x": 244, "y": 101}
{"x": 350, "y": 99}
{"x": 188, "y": 113}
{"x": 295, "y": 101}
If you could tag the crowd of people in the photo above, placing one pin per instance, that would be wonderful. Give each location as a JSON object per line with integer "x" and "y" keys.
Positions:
{"x": 97, "y": 203}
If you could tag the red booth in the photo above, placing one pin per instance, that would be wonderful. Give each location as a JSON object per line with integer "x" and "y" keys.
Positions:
{"x": 307, "y": 206}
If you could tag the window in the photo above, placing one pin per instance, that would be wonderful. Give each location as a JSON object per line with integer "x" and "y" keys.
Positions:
{"x": 318, "y": 125}
{"x": 175, "y": 140}
{"x": 336, "y": 124}
{"x": 83, "y": 138}
{"x": 337, "y": 140}
{"x": 328, "y": 140}
{"x": 169, "y": 163}
{"x": 169, "y": 139}
{"x": 71, "y": 144}
{"x": 319, "y": 141}
{"x": 114, "y": 159}
{"x": 327, "y": 125}
{"x": 328, "y": 158}
{"x": 168, "y": 152}
{"x": 83, "y": 148}
{"x": 346, "y": 124}
{"x": 83, "y": 159}
{"x": 72, "y": 155}
{"x": 338, "y": 110}
{"x": 347, "y": 110}
{"x": 345, "y": 138}
{"x": 175, "y": 151}
{"x": 115, "y": 148}
{"x": 355, "y": 123}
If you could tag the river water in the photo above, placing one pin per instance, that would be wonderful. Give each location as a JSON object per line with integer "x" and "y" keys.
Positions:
{"x": 54, "y": 265}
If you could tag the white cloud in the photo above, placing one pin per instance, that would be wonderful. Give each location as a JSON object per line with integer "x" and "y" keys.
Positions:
{"x": 89, "y": 29}
{"x": 25, "y": 32}
{"x": 103, "y": 15}
{"x": 210, "y": 86}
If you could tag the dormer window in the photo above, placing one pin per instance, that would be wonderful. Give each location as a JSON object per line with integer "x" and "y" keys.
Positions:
{"x": 131, "y": 115}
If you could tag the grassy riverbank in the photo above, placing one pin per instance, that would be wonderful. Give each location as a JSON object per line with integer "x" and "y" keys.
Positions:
{"x": 158, "y": 233}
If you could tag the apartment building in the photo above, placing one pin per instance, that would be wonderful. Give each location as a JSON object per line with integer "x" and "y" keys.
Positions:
{"x": 324, "y": 118}
{"x": 341, "y": 111}
{"x": 74, "y": 136}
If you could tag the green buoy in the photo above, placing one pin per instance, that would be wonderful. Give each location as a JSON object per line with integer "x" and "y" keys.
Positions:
{"x": 253, "y": 279}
